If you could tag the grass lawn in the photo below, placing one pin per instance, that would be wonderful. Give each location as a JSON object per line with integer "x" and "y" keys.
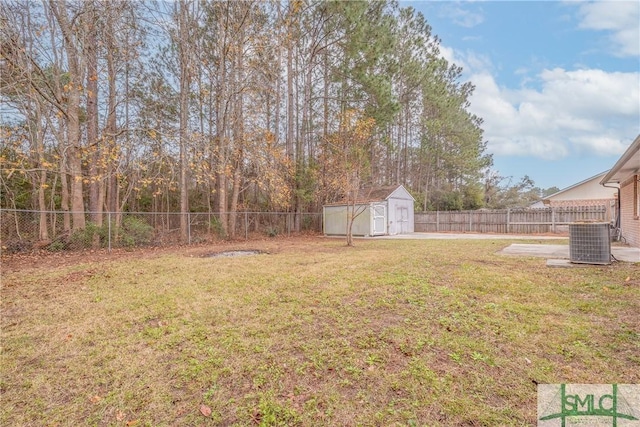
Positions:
{"x": 431, "y": 332}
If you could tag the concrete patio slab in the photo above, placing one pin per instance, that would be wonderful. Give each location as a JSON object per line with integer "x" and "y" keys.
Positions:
{"x": 473, "y": 236}
{"x": 625, "y": 253}
{"x": 555, "y": 251}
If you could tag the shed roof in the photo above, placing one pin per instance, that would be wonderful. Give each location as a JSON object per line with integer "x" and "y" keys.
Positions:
{"x": 377, "y": 194}
{"x": 627, "y": 165}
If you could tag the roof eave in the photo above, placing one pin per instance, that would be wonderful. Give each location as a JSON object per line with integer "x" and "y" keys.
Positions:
{"x": 397, "y": 188}
{"x": 633, "y": 149}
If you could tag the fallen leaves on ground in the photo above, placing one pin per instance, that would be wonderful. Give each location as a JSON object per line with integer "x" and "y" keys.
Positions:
{"x": 205, "y": 410}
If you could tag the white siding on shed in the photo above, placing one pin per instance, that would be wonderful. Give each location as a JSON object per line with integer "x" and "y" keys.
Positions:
{"x": 391, "y": 213}
{"x": 335, "y": 220}
{"x": 400, "y": 212}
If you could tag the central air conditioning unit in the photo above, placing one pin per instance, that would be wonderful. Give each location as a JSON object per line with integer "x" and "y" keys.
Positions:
{"x": 589, "y": 243}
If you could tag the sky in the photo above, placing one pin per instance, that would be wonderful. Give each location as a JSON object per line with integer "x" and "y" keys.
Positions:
{"x": 556, "y": 83}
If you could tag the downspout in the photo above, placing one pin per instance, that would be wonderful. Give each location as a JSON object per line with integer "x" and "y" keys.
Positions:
{"x": 617, "y": 220}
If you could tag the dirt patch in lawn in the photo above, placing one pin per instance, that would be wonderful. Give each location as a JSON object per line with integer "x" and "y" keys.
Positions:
{"x": 233, "y": 254}
{"x": 43, "y": 259}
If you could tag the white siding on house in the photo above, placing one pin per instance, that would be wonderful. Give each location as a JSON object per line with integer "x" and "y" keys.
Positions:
{"x": 588, "y": 190}
{"x": 629, "y": 206}
{"x": 537, "y": 205}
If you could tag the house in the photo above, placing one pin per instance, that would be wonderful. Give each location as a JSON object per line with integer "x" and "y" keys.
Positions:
{"x": 537, "y": 205}
{"x": 585, "y": 193}
{"x": 626, "y": 174}
{"x": 380, "y": 211}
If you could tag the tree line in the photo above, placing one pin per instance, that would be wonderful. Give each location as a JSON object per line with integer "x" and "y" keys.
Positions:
{"x": 203, "y": 106}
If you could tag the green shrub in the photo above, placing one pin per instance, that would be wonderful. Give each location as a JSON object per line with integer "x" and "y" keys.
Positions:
{"x": 56, "y": 246}
{"x": 135, "y": 232}
{"x": 84, "y": 238}
{"x": 216, "y": 226}
{"x": 307, "y": 223}
{"x": 272, "y": 231}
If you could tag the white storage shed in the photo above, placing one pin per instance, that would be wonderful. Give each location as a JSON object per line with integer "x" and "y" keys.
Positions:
{"x": 382, "y": 211}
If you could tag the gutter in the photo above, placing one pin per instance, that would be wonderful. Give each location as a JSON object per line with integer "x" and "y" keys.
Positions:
{"x": 631, "y": 151}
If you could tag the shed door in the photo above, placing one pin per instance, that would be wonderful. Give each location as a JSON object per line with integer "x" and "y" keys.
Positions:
{"x": 379, "y": 220}
{"x": 402, "y": 218}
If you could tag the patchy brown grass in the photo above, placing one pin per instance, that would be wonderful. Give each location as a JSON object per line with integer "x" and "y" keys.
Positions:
{"x": 309, "y": 333}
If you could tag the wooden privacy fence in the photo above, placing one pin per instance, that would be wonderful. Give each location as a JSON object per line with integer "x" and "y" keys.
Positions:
{"x": 519, "y": 221}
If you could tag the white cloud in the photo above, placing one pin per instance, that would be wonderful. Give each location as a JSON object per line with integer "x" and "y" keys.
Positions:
{"x": 582, "y": 111}
{"x": 468, "y": 60}
{"x": 620, "y": 18}
{"x": 464, "y": 17}
{"x": 593, "y": 93}
{"x": 450, "y": 55}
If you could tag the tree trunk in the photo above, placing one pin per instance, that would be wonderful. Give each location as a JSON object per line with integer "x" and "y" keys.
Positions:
{"x": 238, "y": 135}
{"x": 43, "y": 232}
{"x": 351, "y": 216}
{"x": 92, "y": 116}
{"x": 93, "y": 143}
{"x": 290, "y": 123}
{"x": 290, "y": 112}
{"x": 185, "y": 84}
{"x": 75, "y": 159}
{"x": 221, "y": 122}
{"x": 64, "y": 196}
{"x": 237, "y": 180}
{"x": 278, "y": 100}
{"x": 74, "y": 87}
{"x": 37, "y": 136}
{"x": 110, "y": 128}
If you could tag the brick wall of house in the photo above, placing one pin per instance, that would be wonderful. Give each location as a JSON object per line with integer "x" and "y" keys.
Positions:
{"x": 629, "y": 223}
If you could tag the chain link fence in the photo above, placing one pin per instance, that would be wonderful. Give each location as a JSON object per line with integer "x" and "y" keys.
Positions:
{"x": 22, "y": 231}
